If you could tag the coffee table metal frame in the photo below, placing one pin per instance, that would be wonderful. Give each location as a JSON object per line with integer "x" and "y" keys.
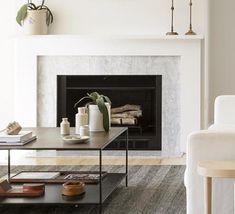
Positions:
{"x": 101, "y": 200}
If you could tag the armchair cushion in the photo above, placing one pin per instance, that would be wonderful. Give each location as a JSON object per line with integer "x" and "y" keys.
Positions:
{"x": 225, "y": 110}
{"x": 222, "y": 127}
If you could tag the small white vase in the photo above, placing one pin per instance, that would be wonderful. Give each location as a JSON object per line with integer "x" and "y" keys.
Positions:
{"x": 35, "y": 22}
{"x": 96, "y": 118}
{"x": 65, "y": 127}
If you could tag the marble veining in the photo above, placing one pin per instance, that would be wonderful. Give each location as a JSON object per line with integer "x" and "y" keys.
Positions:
{"x": 167, "y": 66}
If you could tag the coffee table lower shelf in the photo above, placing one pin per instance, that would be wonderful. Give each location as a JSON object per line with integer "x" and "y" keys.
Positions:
{"x": 53, "y": 193}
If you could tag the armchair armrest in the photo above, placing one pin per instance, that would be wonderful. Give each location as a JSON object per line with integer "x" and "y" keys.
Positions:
{"x": 210, "y": 144}
{"x": 206, "y": 145}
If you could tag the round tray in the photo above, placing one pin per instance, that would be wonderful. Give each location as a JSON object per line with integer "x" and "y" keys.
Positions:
{"x": 73, "y": 139}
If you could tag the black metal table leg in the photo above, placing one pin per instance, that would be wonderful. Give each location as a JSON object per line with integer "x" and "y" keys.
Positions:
{"x": 9, "y": 165}
{"x": 127, "y": 139}
{"x": 100, "y": 180}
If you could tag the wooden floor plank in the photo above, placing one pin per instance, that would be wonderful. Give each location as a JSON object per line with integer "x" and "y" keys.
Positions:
{"x": 93, "y": 160}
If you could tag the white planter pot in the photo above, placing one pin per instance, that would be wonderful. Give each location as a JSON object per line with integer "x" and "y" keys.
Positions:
{"x": 96, "y": 118}
{"x": 35, "y": 22}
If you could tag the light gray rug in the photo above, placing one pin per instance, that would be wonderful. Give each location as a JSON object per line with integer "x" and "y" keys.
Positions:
{"x": 152, "y": 190}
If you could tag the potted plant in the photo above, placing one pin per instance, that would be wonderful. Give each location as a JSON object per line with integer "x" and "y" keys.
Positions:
{"x": 34, "y": 18}
{"x": 99, "y": 111}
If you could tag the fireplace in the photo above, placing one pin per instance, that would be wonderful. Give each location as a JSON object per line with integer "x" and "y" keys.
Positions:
{"x": 177, "y": 60}
{"x": 137, "y": 90}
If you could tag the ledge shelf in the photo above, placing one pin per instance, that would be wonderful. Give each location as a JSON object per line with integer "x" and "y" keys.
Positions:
{"x": 112, "y": 37}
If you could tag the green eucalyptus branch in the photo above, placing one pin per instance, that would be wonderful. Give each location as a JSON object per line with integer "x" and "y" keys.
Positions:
{"x": 79, "y": 101}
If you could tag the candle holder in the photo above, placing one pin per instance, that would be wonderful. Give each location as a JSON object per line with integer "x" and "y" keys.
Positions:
{"x": 190, "y": 32}
{"x": 172, "y": 32}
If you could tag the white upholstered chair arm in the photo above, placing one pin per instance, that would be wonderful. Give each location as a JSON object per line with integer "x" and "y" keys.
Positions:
{"x": 206, "y": 145}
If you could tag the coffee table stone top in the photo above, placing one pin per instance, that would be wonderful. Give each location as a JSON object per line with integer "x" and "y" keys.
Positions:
{"x": 50, "y": 139}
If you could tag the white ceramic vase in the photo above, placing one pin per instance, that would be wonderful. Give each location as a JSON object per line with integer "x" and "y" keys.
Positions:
{"x": 35, "y": 22}
{"x": 81, "y": 119}
{"x": 65, "y": 127}
{"x": 96, "y": 118}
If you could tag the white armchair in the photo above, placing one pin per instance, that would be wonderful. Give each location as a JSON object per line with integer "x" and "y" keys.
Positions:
{"x": 216, "y": 143}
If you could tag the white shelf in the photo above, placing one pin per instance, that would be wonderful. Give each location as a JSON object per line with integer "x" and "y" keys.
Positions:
{"x": 112, "y": 37}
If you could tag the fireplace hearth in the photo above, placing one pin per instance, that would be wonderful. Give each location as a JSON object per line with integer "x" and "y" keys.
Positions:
{"x": 144, "y": 91}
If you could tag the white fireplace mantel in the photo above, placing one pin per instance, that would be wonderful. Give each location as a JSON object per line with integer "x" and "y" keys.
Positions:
{"x": 189, "y": 49}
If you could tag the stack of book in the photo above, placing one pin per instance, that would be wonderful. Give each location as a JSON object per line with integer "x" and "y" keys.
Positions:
{"x": 16, "y": 140}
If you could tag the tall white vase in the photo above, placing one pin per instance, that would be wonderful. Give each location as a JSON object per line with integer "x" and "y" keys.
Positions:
{"x": 35, "y": 22}
{"x": 81, "y": 119}
{"x": 96, "y": 118}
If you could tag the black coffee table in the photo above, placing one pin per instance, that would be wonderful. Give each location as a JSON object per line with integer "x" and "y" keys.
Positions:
{"x": 50, "y": 139}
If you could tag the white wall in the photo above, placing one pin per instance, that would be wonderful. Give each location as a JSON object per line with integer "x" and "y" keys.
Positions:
{"x": 6, "y": 68}
{"x": 122, "y": 16}
{"x": 222, "y": 49}
{"x": 6, "y": 64}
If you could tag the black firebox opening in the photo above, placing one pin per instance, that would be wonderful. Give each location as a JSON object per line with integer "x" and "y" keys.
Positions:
{"x": 143, "y": 90}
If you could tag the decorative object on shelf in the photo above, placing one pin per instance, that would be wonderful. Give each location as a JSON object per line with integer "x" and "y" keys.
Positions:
{"x": 73, "y": 139}
{"x": 25, "y": 176}
{"x": 28, "y": 190}
{"x": 85, "y": 176}
{"x": 99, "y": 111}
{"x": 33, "y": 187}
{"x": 84, "y": 130}
{"x": 81, "y": 119}
{"x": 172, "y": 32}
{"x": 34, "y": 18}
{"x": 12, "y": 128}
{"x": 55, "y": 177}
{"x": 190, "y": 32}
{"x": 73, "y": 188}
{"x": 65, "y": 127}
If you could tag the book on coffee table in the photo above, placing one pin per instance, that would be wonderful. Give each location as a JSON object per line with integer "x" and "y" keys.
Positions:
{"x": 57, "y": 176}
{"x": 36, "y": 175}
{"x": 22, "y": 136}
{"x": 84, "y": 176}
{"x": 17, "y": 143}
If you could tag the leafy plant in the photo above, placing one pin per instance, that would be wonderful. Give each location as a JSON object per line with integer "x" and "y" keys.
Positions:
{"x": 22, "y": 13}
{"x": 99, "y": 100}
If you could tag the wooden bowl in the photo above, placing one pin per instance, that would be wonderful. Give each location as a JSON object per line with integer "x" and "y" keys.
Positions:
{"x": 73, "y": 188}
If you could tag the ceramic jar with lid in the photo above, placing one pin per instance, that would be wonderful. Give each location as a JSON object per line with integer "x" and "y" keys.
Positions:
{"x": 84, "y": 130}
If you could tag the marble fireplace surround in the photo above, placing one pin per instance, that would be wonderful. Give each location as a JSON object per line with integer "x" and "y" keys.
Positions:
{"x": 36, "y": 56}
